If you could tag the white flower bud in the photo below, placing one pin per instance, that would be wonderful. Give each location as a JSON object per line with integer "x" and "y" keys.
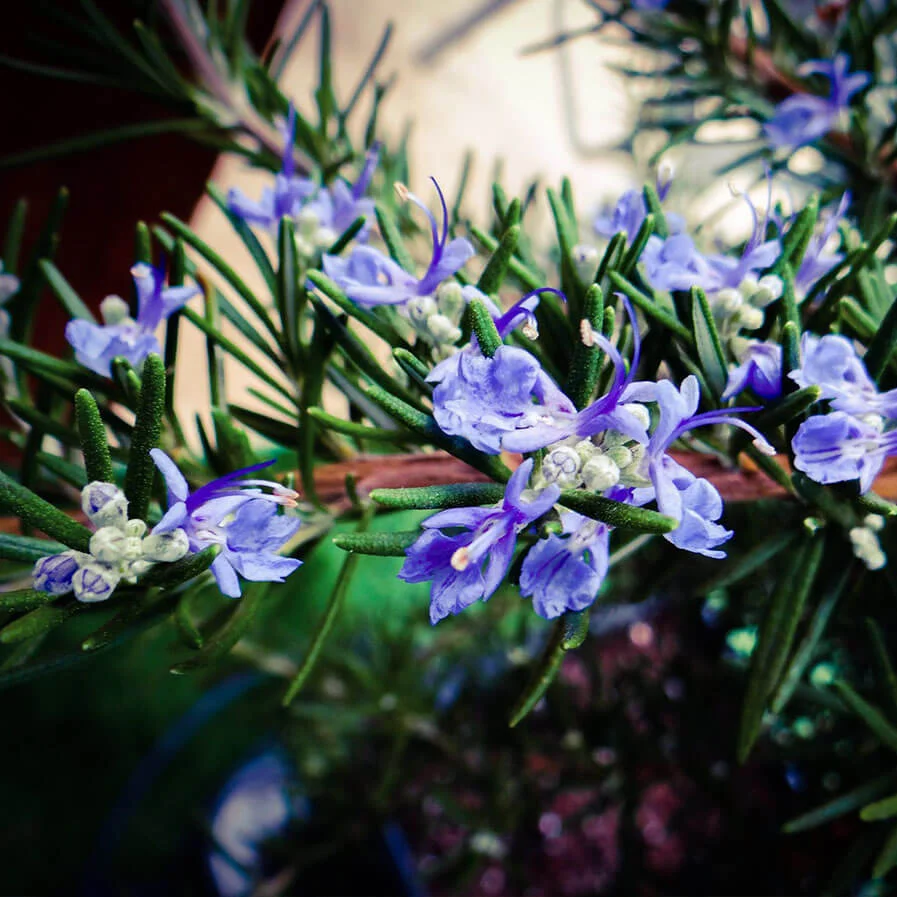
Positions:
{"x": 562, "y": 466}
{"x": 114, "y": 310}
{"x": 875, "y": 522}
{"x": 876, "y": 421}
{"x": 420, "y": 308}
{"x": 166, "y": 547}
{"x": 586, "y": 449}
{"x": 585, "y": 260}
{"x": 307, "y": 222}
{"x": 620, "y": 455}
{"x": 94, "y": 582}
{"x": 112, "y": 545}
{"x": 442, "y": 329}
{"x": 54, "y": 574}
{"x": 600, "y": 473}
{"x": 867, "y": 548}
{"x": 450, "y": 300}
{"x": 135, "y": 528}
{"x": 768, "y": 290}
{"x": 132, "y": 569}
{"x": 750, "y": 318}
{"x": 728, "y": 300}
{"x": 104, "y": 504}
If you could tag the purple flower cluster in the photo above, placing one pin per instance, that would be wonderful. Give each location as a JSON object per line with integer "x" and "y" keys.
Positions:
{"x": 860, "y": 432}
{"x": 237, "y": 515}
{"x": 371, "y": 278}
{"x": 96, "y": 345}
{"x": 507, "y": 402}
{"x": 323, "y": 213}
{"x": 803, "y": 118}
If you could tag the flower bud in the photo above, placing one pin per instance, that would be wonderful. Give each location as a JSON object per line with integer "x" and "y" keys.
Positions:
{"x": 420, "y": 308}
{"x": 769, "y": 288}
{"x": 112, "y": 545}
{"x": 750, "y": 318}
{"x": 166, "y": 547}
{"x": 639, "y": 412}
{"x": 132, "y": 569}
{"x": 104, "y": 504}
{"x": 442, "y": 329}
{"x": 585, "y": 260}
{"x": 867, "y": 548}
{"x": 620, "y": 455}
{"x": 94, "y": 582}
{"x": 54, "y": 574}
{"x": 562, "y": 466}
{"x": 728, "y": 300}
{"x": 135, "y": 528}
{"x": 600, "y": 473}
{"x": 450, "y": 299}
{"x": 114, "y": 310}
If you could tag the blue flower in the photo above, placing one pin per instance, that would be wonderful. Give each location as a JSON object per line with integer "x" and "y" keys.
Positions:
{"x": 467, "y": 563}
{"x": 564, "y": 573}
{"x": 803, "y": 118}
{"x": 838, "y": 447}
{"x": 370, "y": 278}
{"x": 97, "y": 345}
{"x": 324, "y": 212}
{"x": 831, "y": 363}
{"x": 760, "y": 371}
{"x": 235, "y": 514}
{"x": 508, "y": 403}
{"x": 692, "y": 501}
{"x": 818, "y": 259}
{"x": 675, "y": 263}
{"x": 629, "y": 212}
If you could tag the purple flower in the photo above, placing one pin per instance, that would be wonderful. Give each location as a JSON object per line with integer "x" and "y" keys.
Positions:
{"x": 818, "y": 260}
{"x": 760, "y": 371}
{"x": 564, "y": 573}
{"x": 97, "y": 345}
{"x": 371, "y": 278}
{"x": 330, "y": 210}
{"x": 508, "y": 403}
{"x": 649, "y": 5}
{"x": 235, "y": 514}
{"x": 469, "y": 565}
{"x": 693, "y": 501}
{"x": 831, "y": 363}
{"x": 674, "y": 263}
{"x": 837, "y": 447}
{"x": 628, "y": 214}
{"x": 803, "y": 118}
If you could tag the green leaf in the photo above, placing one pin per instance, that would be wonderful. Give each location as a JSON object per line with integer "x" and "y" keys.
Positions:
{"x": 26, "y": 549}
{"x": 881, "y": 809}
{"x": 633, "y": 254}
{"x": 360, "y": 431}
{"x": 881, "y": 347}
{"x": 288, "y": 289}
{"x": 27, "y": 599}
{"x": 63, "y": 291}
{"x": 708, "y": 344}
{"x": 42, "y": 619}
{"x": 12, "y": 244}
{"x": 279, "y": 431}
{"x": 484, "y": 327}
{"x": 456, "y": 495}
{"x": 887, "y": 678}
{"x": 752, "y": 560}
{"x": 497, "y": 267}
{"x": 147, "y": 429}
{"x": 377, "y": 544}
{"x": 142, "y": 609}
{"x": 543, "y": 673}
{"x": 224, "y": 269}
{"x": 887, "y": 859}
{"x": 571, "y": 283}
{"x": 94, "y": 440}
{"x": 219, "y": 643}
{"x": 842, "y": 805}
{"x": 334, "y": 605}
{"x": 870, "y": 714}
{"x": 617, "y": 513}
{"x": 785, "y": 410}
{"x": 531, "y": 280}
{"x": 347, "y": 236}
{"x": 423, "y": 424}
{"x": 807, "y": 650}
{"x": 586, "y": 364}
{"x": 170, "y": 576}
{"x": 650, "y": 308}
{"x": 652, "y": 201}
{"x": 797, "y": 239}
{"x": 33, "y": 511}
{"x": 575, "y": 628}
{"x": 393, "y": 240}
{"x": 775, "y": 638}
